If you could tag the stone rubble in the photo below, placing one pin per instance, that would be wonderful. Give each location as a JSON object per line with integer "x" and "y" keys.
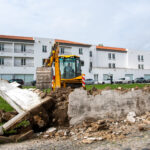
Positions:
{"x": 131, "y": 117}
{"x": 89, "y": 130}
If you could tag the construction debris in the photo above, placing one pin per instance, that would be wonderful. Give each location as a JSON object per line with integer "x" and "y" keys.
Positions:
{"x": 86, "y": 116}
{"x": 89, "y": 140}
{"x": 131, "y": 117}
{"x": 91, "y": 130}
{"x": 6, "y": 116}
{"x": 108, "y": 104}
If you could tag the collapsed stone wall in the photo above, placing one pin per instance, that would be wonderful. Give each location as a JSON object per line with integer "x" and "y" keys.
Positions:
{"x": 107, "y": 104}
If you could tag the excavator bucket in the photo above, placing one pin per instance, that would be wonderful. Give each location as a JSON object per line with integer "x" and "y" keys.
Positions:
{"x": 44, "y": 77}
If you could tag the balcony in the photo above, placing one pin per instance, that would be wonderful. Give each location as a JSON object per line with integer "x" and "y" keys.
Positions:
{"x": 27, "y": 65}
{"x": 7, "y": 50}
{"x": 6, "y": 64}
{"x": 30, "y": 51}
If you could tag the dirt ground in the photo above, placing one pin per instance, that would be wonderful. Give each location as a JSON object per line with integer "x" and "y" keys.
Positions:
{"x": 136, "y": 141}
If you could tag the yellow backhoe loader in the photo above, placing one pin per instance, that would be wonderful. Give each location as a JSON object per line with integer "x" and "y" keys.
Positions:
{"x": 67, "y": 71}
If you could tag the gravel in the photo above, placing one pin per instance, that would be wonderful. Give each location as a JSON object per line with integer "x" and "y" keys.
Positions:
{"x": 138, "y": 141}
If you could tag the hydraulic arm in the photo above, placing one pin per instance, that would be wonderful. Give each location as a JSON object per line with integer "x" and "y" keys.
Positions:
{"x": 54, "y": 57}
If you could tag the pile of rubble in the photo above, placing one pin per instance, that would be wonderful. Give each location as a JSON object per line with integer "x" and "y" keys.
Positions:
{"x": 53, "y": 112}
{"x": 91, "y": 130}
{"x": 83, "y": 115}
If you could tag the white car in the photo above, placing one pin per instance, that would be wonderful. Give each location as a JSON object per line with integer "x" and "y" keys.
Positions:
{"x": 89, "y": 81}
{"x": 123, "y": 80}
{"x": 108, "y": 81}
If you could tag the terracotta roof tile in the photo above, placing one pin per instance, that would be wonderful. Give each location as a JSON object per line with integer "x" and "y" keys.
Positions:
{"x": 111, "y": 48}
{"x": 16, "y": 37}
{"x": 70, "y": 42}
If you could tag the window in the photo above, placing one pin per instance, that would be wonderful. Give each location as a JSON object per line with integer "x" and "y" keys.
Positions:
{"x": 142, "y": 58}
{"x": 139, "y": 58}
{"x": 1, "y": 47}
{"x": 44, "y": 48}
{"x": 80, "y": 51}
{"x": 109, "y": 65}
{"x": 82, "y": 63}
{"x": 90, "y": 69}
{"x": 114, "y": 65}
{"x": 43, "y": 62}
{"x": 62, "y": 50}
{"x": 23, "y": 48}
{"x": 1, "y": 61}
{"x": 107, "y": 77}
{"x": 113, "y": 56}
{"x": 23, "y": 61}
{"x": 109, "y": 55}
{"x": 139, "y": 66}
{"x": 96, "y": 77}
{"x": 90, "y": 53}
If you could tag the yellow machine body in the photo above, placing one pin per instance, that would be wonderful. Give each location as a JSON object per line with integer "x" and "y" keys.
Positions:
{"x": 67, "y": 69}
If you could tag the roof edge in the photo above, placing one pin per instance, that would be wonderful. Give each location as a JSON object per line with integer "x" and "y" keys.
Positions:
{"x": 71, "y": 42}
{"x": 111, "y": 48}
{"x": 10, "y": 37}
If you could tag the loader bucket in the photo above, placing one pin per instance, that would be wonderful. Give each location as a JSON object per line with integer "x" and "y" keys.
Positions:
{"x": 44, "y": 77}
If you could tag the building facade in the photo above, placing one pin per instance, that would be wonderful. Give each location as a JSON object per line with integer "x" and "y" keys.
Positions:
{"x": 20, "y": 56}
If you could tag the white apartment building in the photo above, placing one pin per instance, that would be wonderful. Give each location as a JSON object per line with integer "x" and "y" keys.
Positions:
{"x": 20, "y": 56}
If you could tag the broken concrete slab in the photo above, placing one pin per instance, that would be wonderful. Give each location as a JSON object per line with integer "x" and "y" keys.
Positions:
{"x": 24, "y": 101}
{"x": 40, "y": 109}
{"x": 107, "y": 104}
{"x": 20, "y": 99}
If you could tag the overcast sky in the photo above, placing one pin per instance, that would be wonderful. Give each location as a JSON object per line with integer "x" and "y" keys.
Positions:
{"x": 120, "y": 23}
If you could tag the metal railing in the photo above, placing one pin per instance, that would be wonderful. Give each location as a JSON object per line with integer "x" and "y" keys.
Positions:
{"x": 26, "y": 65}
{"x": 9, "y": 50}
{"x": 6, "y": 64}
{"x": 31, "y": 51}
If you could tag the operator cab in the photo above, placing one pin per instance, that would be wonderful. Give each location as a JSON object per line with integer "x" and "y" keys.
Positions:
{"x": 69, "y": 66}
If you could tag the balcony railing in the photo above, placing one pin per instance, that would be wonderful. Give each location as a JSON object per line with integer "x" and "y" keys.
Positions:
{"x": 31, "y": 51}
{"x": 8, "y": 50}
{"x": 27, "y": 65}
{"x": 6, "y": 64}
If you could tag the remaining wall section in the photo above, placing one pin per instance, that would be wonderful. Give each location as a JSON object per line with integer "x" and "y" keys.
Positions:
{"x": 108, "y": 104}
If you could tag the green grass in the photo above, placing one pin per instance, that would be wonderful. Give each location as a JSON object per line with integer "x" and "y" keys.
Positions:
{"x": 24, "y": 123}
{"x": 4, "y": 105}
{"x": 103, "y": 86}
{"x": 28, "y": 87}
{"x": 115, "y": 86}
